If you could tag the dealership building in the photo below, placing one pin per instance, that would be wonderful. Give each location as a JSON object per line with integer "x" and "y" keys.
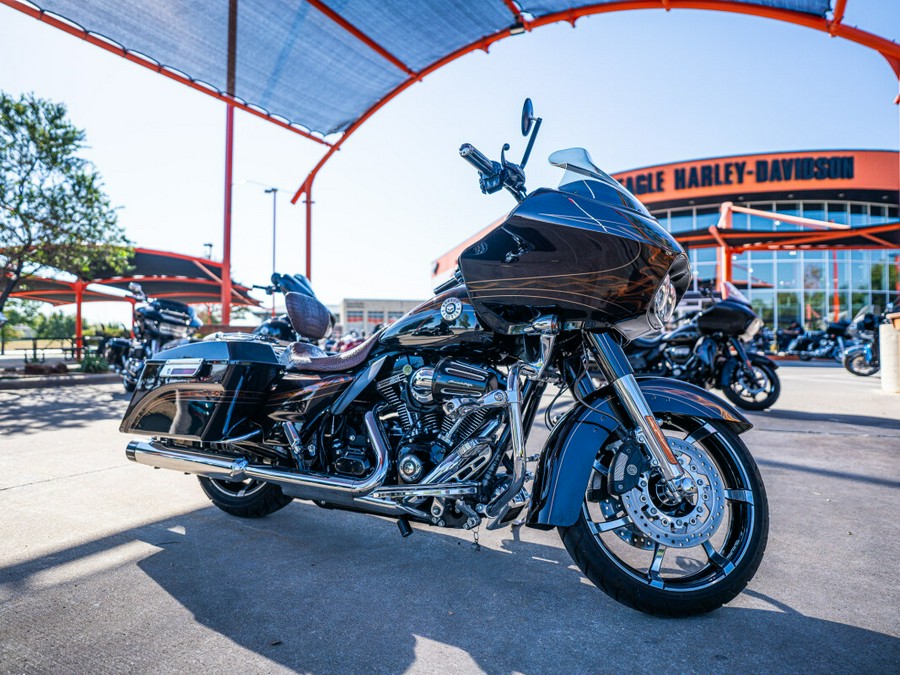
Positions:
{"x": 808, "y": 236}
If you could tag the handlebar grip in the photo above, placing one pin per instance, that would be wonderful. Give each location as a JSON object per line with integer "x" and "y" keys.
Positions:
{"x": 472, "y": 155}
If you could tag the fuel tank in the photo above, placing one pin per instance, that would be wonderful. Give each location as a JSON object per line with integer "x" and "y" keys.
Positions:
{"x": 685, "y": 335}
{"x": 447, "y": 320}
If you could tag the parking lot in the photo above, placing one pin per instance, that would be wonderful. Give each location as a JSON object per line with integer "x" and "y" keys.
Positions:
{"x": 107, "y": 566}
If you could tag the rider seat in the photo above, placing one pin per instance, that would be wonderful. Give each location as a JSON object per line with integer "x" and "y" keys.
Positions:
{"x": 311, "y": 319}
{"x": 647, "y": 343}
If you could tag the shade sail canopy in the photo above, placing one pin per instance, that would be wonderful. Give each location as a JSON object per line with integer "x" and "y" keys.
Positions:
{"x": 323, "y": 65}
{"x": 58, "y": 292}
{"x": 886, "y": 236}
{"x": 161, "y": 274}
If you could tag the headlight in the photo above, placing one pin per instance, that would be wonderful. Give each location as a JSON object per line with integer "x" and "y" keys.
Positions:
{"x": 664, "y": 301}
{"x": 752, "y": 329}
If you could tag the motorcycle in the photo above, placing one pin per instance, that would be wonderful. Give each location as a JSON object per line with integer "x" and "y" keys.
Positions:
{"x": 710, "y": 351}
{"x": 864, "y": 359}
{"x": 427, "y": 420}
{"x": 158, "y": 324}
{"x": 827, "y": 344}
{"x": 279, "y": 327}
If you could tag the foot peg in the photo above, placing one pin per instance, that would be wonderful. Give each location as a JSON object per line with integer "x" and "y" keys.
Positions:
{"x": 404, "y": 526}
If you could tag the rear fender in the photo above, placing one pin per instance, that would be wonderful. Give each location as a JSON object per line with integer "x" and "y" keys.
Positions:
{"x": 565, "y": 464}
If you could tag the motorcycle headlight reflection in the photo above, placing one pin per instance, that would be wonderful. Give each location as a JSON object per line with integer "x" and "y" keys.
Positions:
{"x": 664, "y": 301}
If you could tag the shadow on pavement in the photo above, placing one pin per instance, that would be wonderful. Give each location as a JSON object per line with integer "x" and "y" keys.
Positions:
{"x": 28, "y": 411}
{"x": 839, "y": 418}
{"x": 317, "y": 591}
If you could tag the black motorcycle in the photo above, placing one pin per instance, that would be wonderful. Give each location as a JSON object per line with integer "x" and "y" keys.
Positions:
{"x": 279, "y": 326}
{"x": 863, "y": 359}
{"x": 158, "y": 324}
{"x": 711, "y": 351}
{"x": 823, "y": 344}
{"x": 427, "y": 420}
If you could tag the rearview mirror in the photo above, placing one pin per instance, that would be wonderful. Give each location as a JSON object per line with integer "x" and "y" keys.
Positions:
{"x": 527, "y": 116}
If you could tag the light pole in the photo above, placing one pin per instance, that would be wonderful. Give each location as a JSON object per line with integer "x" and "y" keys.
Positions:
{"x": 274, "y": 192}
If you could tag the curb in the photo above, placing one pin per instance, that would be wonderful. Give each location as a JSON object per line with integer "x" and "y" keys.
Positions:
{"x": 59, "y": 380}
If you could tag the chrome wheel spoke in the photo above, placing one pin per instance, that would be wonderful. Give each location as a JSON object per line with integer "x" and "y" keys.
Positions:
{"x": 659, "y": 553}
{"x": 248, "y": 486}
{"x": 739, "y": 496}
{"x": 609, "y": 525}
{"x": 717, "y": 558}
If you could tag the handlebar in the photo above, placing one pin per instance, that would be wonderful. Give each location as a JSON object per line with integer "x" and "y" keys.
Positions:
{"x": 474, "y": 157}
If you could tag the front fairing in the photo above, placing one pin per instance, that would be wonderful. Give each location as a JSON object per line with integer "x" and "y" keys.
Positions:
{"x": 575, "y": 257}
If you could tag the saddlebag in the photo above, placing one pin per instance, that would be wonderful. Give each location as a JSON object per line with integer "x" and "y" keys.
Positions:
{"x": 205, "y": 391}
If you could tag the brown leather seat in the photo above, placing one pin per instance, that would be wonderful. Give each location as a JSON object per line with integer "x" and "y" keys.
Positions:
{"x": 303, "y": 359}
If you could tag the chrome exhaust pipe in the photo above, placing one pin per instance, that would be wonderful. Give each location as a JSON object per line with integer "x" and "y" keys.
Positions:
{"x": 300, "y": 485}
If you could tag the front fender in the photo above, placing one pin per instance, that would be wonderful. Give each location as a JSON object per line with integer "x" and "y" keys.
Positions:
{"x": 570, "y": 450}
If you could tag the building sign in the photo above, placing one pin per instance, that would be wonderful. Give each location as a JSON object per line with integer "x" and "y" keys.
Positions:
{"x": 763, "y": 173}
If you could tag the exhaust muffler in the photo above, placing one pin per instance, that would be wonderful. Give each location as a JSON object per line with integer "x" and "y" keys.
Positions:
{"x": 334, "y": 489}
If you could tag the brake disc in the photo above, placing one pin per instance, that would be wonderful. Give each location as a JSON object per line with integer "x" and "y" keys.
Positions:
{"x": 689, "y": 522}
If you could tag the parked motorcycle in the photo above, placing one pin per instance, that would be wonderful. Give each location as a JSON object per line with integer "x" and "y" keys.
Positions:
{"x": 827, "y": 344}
{"x": 279, "y": 327}
{"x": 711, "y": 351}
{"x": 863, "y": 359}
{"x": 427, "y": 420}
{"x": 158, "y": 324}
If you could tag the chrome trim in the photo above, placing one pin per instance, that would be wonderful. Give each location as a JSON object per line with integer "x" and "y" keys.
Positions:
{"x": 631, "y": 396}
{"x": 304, "y": 485}
{"x": 434, "y": 490}
{"x": 498, "y": 507}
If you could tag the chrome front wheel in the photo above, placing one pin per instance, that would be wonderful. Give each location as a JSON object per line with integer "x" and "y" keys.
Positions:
{"x": 674, "y": 557}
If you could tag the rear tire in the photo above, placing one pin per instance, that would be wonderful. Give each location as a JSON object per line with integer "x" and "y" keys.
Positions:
{"x": 624, "y": 558}
{"x": 245, "y": 499}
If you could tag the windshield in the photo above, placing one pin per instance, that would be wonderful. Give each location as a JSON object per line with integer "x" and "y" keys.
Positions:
{"x": 732, "y": 293}
{"x": 584, "y": 178}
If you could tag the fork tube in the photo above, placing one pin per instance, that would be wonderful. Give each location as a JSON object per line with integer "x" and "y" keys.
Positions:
{"x": 618, "y": 372}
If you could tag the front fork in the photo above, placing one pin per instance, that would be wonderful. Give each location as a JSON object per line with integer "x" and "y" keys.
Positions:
{"x": 617, "y": 371}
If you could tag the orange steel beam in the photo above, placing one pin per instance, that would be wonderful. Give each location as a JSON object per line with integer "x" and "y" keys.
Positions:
{"x": 516, "y": 12}
{"x": 784, "y": 218}
{"x": 837, "y": 15}
{"x": 119, "y": 50}
{"x": 359, "y": 35}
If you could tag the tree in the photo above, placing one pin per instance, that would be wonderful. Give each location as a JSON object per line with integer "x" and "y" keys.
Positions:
{"x": 53, "y": 210}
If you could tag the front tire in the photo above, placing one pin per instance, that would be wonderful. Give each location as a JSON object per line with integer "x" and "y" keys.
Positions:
{"x": 856, "y": 363}
{"x": 617, "y": 541}
{"x": 245, "y": 499}
{"x": 755, "y": 389}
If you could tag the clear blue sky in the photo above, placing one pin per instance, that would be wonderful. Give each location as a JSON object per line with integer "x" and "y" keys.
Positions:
{"x": 635, "y": 88}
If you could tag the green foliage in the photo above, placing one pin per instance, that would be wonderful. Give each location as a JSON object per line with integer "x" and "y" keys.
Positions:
{"x": 53, "y": 210}
{"x": 94, "y": 363}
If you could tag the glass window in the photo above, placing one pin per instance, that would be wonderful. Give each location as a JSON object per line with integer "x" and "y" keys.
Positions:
{"x": 814, "y": 210}
{"x": 877, "y": 214}
{"x": 788, "y": 209}
{"x": 681, "y": 221}
{"x": 739, "y": 266}
{"x": 814, "y": 275}
{"x": 892, "y": 213}
{"x": 788, "y": 274}
{"x": 893, "y": 273}
{"x": 706, "y": 217}
{"x": 860, "y": 275}
{"x": 859, "y": 214}
{"x": 761, "y": 224}
{"x": 703, "y": 255}
{"x": 859, "y": 300}
{"x": 705, "y": 273}
{"x": 788, "y": 309}
{"x": 878, "y": 280}
{"x": 837, "y": 213}
{"x": 762, "y": 275}
{"x": 815, "y": 310}
{"x": 763, "y": 304}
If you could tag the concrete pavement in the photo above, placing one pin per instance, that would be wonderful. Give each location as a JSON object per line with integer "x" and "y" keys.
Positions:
{"x": 107, "y": 566}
